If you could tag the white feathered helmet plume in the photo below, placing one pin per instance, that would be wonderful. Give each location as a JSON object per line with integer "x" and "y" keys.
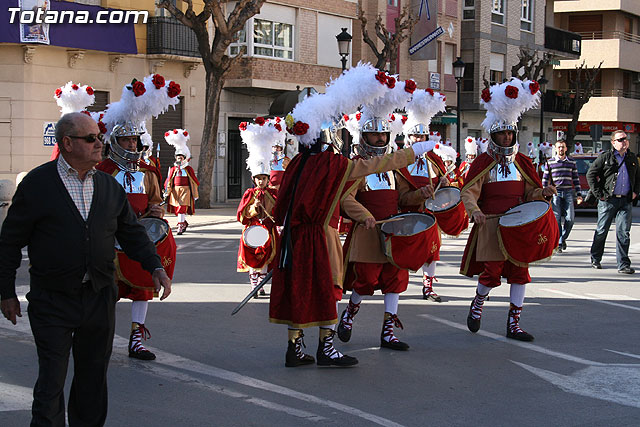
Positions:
{"x": 445, "y": 152}
{"x": 352, "y": 124}
{"x": 470, "y": 146}
{"x": 73, "y": 98}
{"x": 506, "y": 102}
{"x": 531, "y": 150}
{"x": 577, "y": 149}
{"x": 358, "y": 85}
{"x": 546, "y": 149}
{"x": 435, "y": 136}
{"x": 396, "y": 125}
{"x": 178, "y": 138}
{"x": 420, "y": 111}
{"x": 259, "y": 137}
{"x": 483, "y": 143}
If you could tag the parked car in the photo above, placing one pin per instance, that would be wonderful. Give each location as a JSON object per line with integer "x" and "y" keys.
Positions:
{"x": 583, "y": 163}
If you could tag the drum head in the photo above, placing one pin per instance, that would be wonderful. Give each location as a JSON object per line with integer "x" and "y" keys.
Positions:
{"x": 444, "y": 199}
{"x": 412, "y": 223}
{"x": 527, "y": 212}
{"x": 156, "y": 229}
{"x": 256, "y": 236}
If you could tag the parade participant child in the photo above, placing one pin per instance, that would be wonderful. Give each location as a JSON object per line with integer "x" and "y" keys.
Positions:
{"x": 498, "y": 180}
{"x": 448, "y": 156}
{"x": 471, "y": 150}
{"x": 181, "y": 186}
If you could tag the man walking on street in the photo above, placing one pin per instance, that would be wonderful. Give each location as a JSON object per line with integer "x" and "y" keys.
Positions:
{"x": 563, "y": 174}
{"x": 614, "y": 178}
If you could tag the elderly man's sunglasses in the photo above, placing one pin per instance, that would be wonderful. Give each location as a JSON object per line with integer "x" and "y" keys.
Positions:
{"x": 89, "y": 138}
{"x": 624, "y": 138}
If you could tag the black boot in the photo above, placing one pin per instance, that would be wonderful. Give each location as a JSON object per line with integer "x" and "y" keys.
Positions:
{"x": 475, "y": 312}
{"x": 295, "y": 356}
{"x": 327, "y": 355}
{"x": 387, "y": 338}
{"x": 427, "y": 289}
{"x": 346, "y": 321}
{"x": 513, "y": 328}
{"x": 136, "y": 349}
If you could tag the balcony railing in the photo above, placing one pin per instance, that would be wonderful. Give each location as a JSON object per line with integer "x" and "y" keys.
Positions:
{"x": 556, "y": 101}
{"x": 169, "y": 36}
{"x": 608, "y": 35}
{"x": 616, "y": 93}
{"x": 562, "y": 41}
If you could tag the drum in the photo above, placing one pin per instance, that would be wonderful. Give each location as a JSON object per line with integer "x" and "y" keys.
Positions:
{"x": 528, "y": 233}
{"x": 410, "y": 242}
{"x": 255, "y": 236}
{"x": 131, "y": 272}
{"x": 449, "y": 211}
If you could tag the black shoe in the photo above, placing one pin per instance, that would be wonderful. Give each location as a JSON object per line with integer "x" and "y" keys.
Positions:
{"x": 473, "y": 324}
{"x": 343, "y": 332}
{"x": 626, "y": 270}
{"x": 559, "y": 249}
{"x": 564, "y": 246}
{"x": 344, "y": 360}
{"x": 520, "y": 336}
{"x": 596, "y": 265}
{"x": 397, "y": 345}
{"x": 255, "y": 296}
{"x": 431, "y": 296}
{"x": 292, "y": 360}
{"x": 262, "y": 293}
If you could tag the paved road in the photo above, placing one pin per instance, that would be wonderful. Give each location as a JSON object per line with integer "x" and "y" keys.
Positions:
{"x": 217, "y": 370}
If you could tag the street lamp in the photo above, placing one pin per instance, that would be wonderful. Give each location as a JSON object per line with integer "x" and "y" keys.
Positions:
{"x": 344, "y": 43}
{"x": 543, "y": 83}
{"x": 458, "y": 73}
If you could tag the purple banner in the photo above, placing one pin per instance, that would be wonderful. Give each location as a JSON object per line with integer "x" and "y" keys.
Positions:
{"x": 117, "y": 38}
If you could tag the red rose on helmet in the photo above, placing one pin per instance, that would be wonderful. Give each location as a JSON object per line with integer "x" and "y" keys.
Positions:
{"x": 85, "y": 112}
{"x": 511, "y": 92}
{"x": 358, "y": 115}
{"x": 429, "y": 91}
{"x": 58, "y": 92}
{"x": 158, "y": 81}
{"x": 534, "y": 87}
{"x": 404, "y": 119}
{"x": 102, "y": 127}
{"x": 167, "y": 134}
{"x": 260, "y": 120}
{"x": 486, "y": 95}
{"x": 89, "y": 90}
{"x": 391, "y": 82}
{"x": 345, "y": 117}
{"x": 185, "y": 133}
{"x": 392, "y": 118}
{"x": 175, "y": 131}
{"x": 138, "y": 88}
{"x": 410, "y": 86}
{"x": 242, "y": 126}
{"x": 381, "y": 76}
{"x": 444, "y": 98}
{"x": 278, "y": 127}
{"x": 173, "y": 90}
{"x": 74, "y": 86}
{"x": 278, "y": 119}
{"x": 437, "y": 146}
{"x": 300, "y": 128}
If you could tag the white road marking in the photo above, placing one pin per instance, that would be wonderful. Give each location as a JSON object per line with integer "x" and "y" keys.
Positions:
{"x": 622, "y": 353}
{"x": 15, "y": 398}
{"x": 576, "y": 296}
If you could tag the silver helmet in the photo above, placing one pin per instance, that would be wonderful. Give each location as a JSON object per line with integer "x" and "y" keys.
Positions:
{"x": 497, "y": 152}
{"x": 128, "y": 160}
{"x": 330, "y": 136}
{"x": 419, "y": 129}
{"x": 373, "y": 125}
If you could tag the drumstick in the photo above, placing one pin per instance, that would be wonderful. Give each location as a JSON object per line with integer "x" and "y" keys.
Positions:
{"x": 433, "y": 196}
{"x": 384, "y": 221}
{"x": 265, "y": 210}
{"x": 502, "y": 214}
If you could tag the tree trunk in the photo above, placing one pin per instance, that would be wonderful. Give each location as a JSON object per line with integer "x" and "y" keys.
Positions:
{"x": 208, "y": 146}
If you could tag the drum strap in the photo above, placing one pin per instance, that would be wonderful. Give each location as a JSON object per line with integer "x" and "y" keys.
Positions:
{"x": 287, "y": 249}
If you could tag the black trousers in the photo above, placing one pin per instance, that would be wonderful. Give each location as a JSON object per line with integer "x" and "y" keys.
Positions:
{"x": 82, "y": 321}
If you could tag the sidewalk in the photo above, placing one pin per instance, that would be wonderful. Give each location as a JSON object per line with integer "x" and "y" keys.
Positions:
{"x": 221, "y": 214}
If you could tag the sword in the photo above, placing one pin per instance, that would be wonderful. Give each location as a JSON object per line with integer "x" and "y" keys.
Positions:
{"x": 252, "y": 293}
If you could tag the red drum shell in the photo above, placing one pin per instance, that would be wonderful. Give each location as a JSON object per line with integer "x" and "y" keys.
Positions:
{"x": 451, "y": 216}
{"x": 418, "y": 244}
{"x": 258, "y": 257}
{"x": 529, "y": 236}
{"x": 131, "y": 272}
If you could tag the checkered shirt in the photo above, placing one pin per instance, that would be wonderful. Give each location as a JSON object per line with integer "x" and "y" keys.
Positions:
{"x": 81, "y": 192}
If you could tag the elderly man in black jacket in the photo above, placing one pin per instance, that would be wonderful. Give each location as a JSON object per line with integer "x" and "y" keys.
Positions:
{"x": 69, "y": 214}
{"x": 614, "y": 178}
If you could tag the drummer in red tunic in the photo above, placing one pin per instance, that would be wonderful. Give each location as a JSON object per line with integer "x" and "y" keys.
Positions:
{"x": 448, "y": 156}
{"x": 376, "y": 197}
{"x": 181, "y": 186}
{"x": 471, "y": 152}
{"x": 498, "y": 180}
{"x": 307, "y": 282}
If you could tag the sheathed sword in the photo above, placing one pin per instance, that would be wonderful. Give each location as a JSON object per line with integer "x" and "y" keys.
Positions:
{"x": 252, "y": 293}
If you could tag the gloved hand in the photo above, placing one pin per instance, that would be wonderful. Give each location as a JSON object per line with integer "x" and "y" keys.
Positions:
{"x": 421, "y": 147}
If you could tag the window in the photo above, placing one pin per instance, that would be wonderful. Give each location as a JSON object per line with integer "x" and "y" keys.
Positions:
{"x": 497, "y": 12}
{"x": 234, "y": 48}
{"x": 393, "y": 3}
{"x": 496, "y": 68}
{"x": 467, "y": 78}
{"x": 272, "y": 39}
{"x": 495, "y": 77}
{"x": 469, "y": 9}
{"x": 526, "y": 20}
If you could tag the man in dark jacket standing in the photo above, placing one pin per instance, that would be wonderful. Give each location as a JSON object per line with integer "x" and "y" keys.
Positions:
{"x": 69, "y": 214}
{"x": 614, "y": 178}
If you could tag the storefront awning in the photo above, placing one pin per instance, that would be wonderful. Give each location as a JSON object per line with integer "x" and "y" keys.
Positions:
{"x": 445, "y": 119}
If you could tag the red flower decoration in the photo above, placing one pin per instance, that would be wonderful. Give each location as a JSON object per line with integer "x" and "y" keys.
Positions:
{"x": 534, "y": 87}
{"x": 437, "y": 146}
{"x": 175, "y": 131}
{"x": 486, "y": 94}
{"x": 410, "y": 86}
{"x": 167, "y": 134}
{"x": 102, "y": 127}
{"x": 358, "y": 115}
{"x": 278, "y": 119}
{"x": 173, "y": 90}
{"x": 300, "y": 128}
{"x": 158, "y": 81}
{"x": 511, "y": 92}
{"x": 277, "y": 126}
{"x": 391, "y": 82}
{"x": 185, "y": 133}
{"x": 345, "y": 117}
{"x": 242, "y": 126}
{"x": 429, "y": 91}
{"x": 86, "y": 112}
{"x": 138, "y": 88}
{"x": 381, "y": 76}
{"x": 260, "y": 120}
{"x": 89, "y": 90}
{"x": 58, "y": 92}
{"x": 74, "y": 86}
{"x": 404, "y": 119}
{"x": 101, "y": 116}
{"x": 392, "y": 118}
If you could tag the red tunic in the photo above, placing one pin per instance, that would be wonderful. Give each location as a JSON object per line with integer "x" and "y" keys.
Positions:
{"x": 256, "y": 257}
{"x": 182, "y": 201}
